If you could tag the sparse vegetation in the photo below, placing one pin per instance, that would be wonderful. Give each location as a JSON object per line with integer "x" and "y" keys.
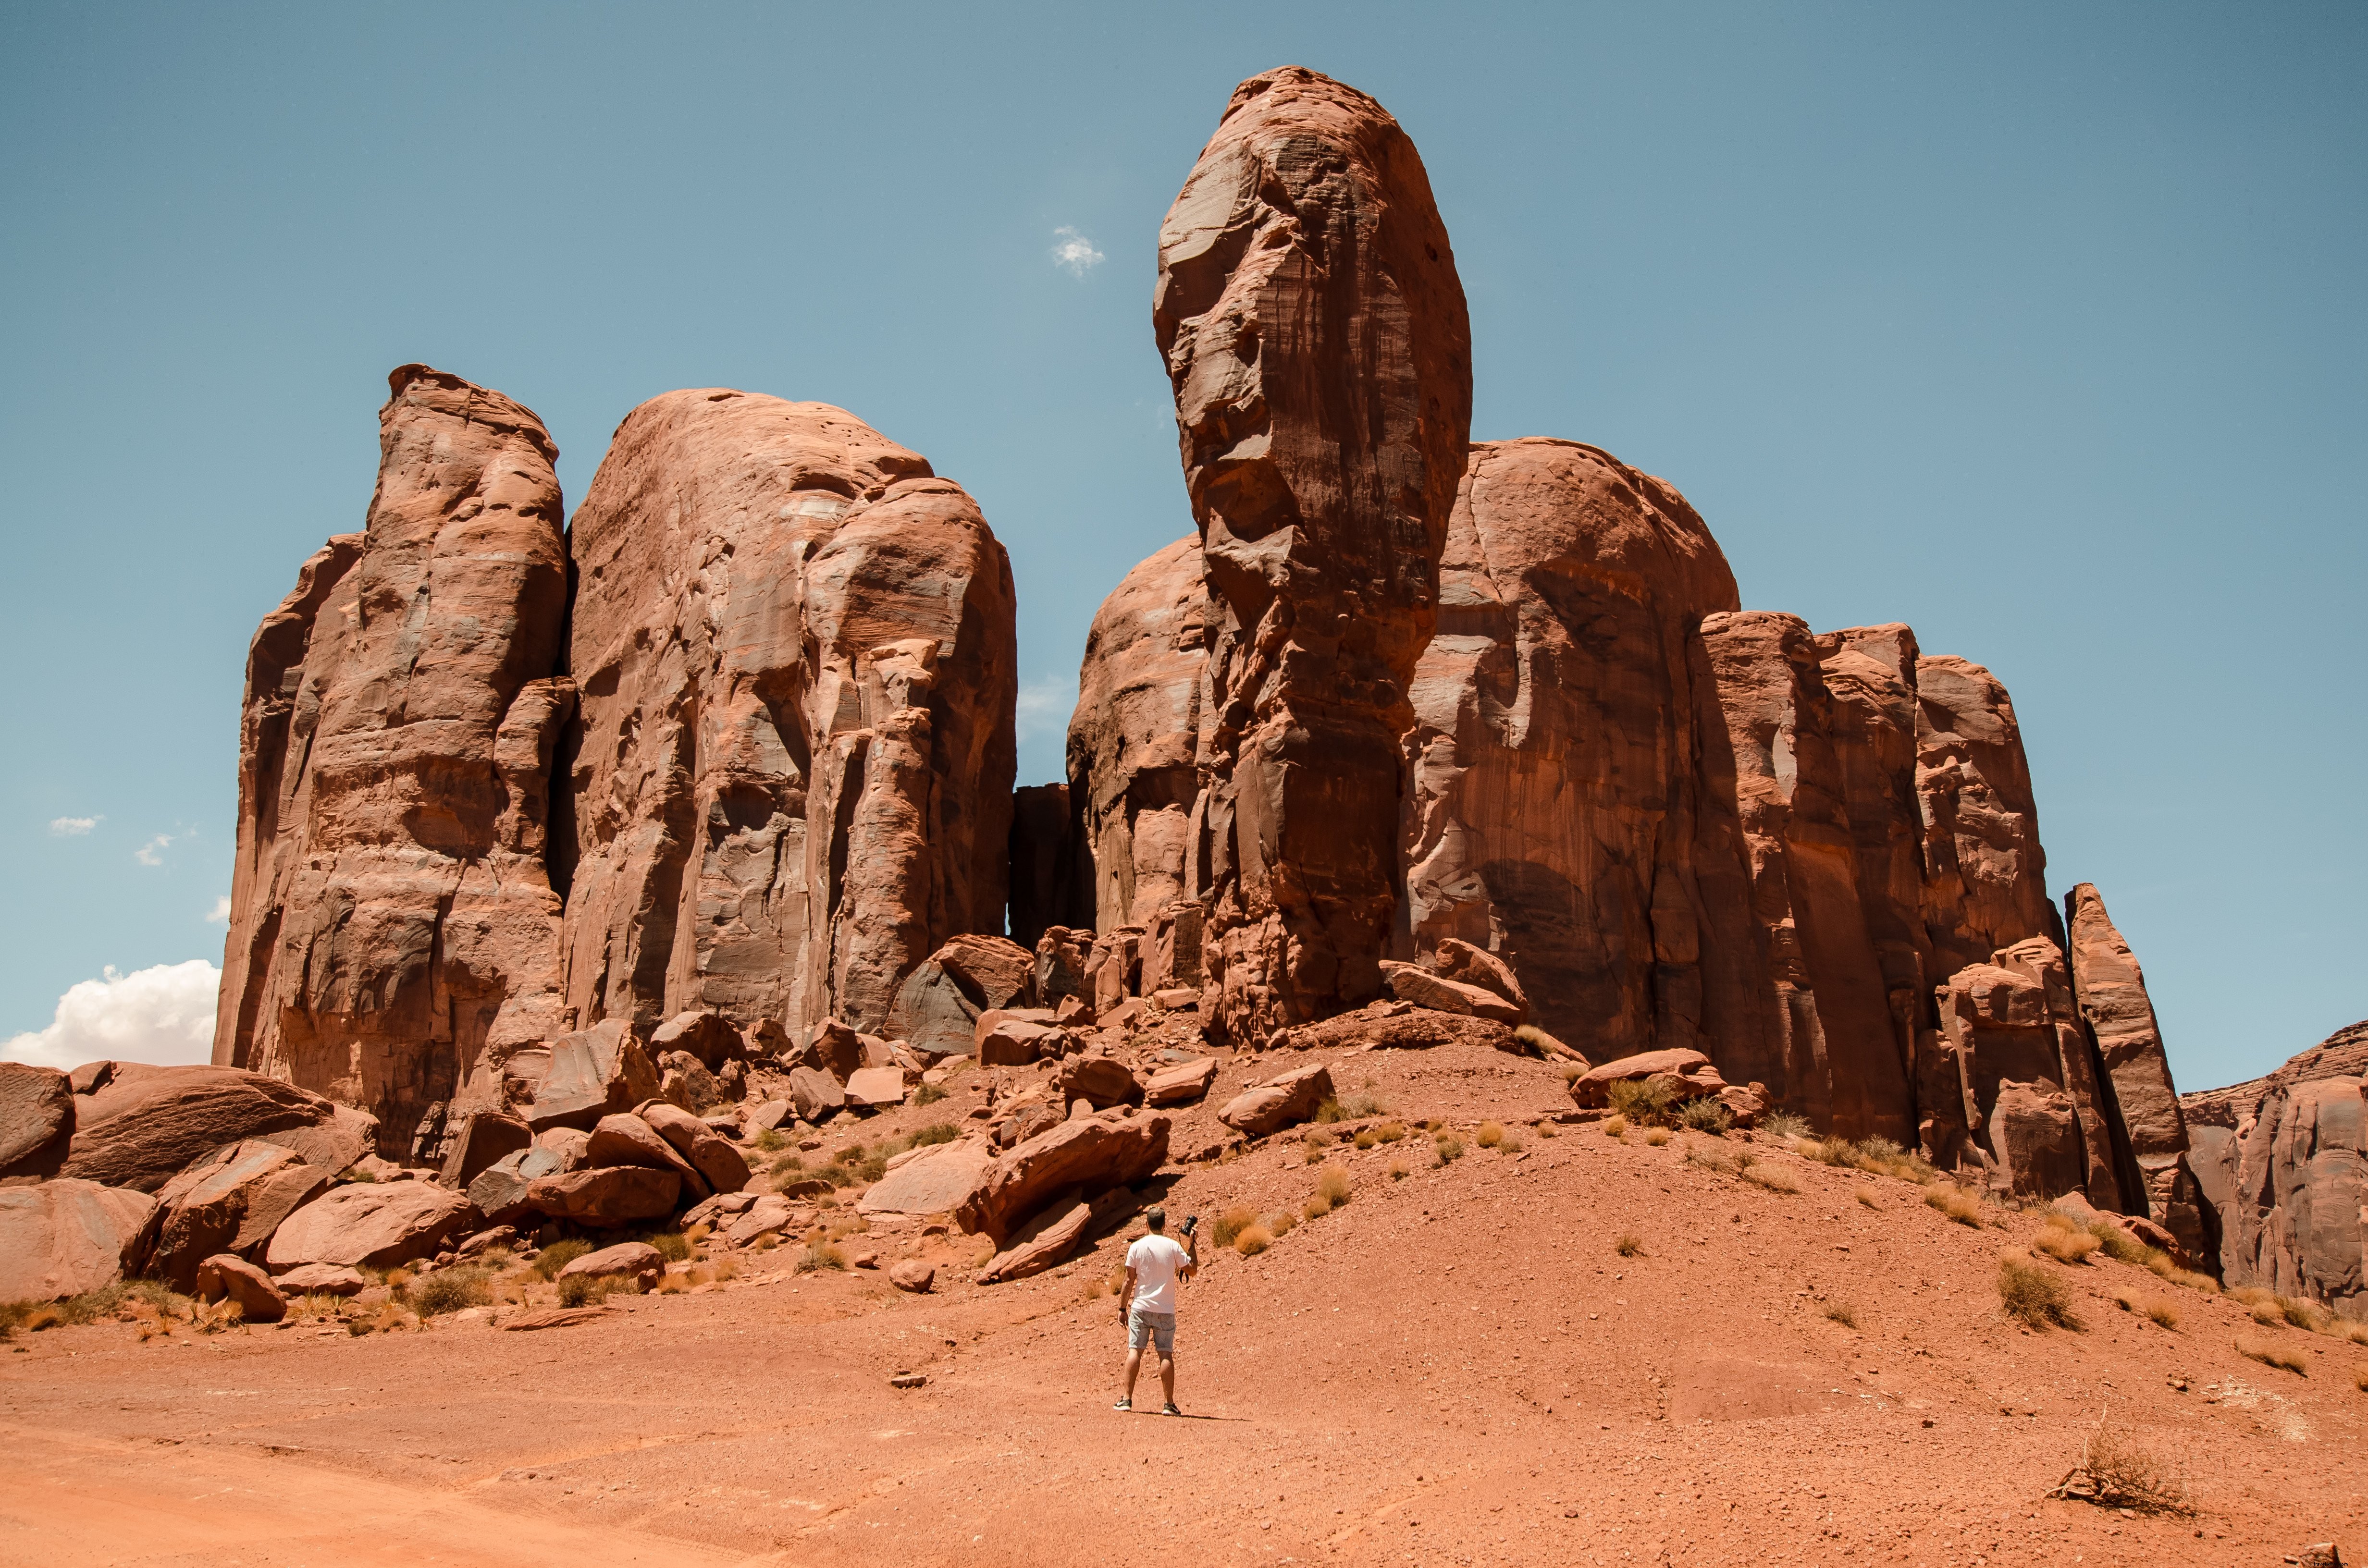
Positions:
{"x": 928, "y": 1093}
{"x": 448, "y": 1290}
{"x": 2301, "y": 1314}
{"x": 2267, "y": 1315}
{"x": 1281, "y": 1223}
{"x": 2270, "y": 1355}
{"x": 1333, "y": 1187}
{"x": 786, "y": 1164}
{"x": 820, "y": 1253}
{"x": 768, "y": 1140}
{"x": 1769, "y": 1177}
{"x": 2033, "y": 1295}
{"x": 1253, "y": 1240}
{"x": 2357, "y": 1333}
{"x": 2115, "y": 1472}
{"x": 583, "y": 1291}
{"x": 1356, "y": 1107}
{"x": 1842, "y": 1312}
{"x": 1867, "y": 1200}
{"x": 672, "y": 1246}
{"x": 1785, "y": 1126}
{"x": 1614, "y": 1126}
{"x": 1398, "y": 1171}
{"x": 2060, "y": 1240}
{"x": 2118, "y": 1244}
{"x": 1511, "y": 1145}
{"x": 1643, "y": 1100}
{"x": 1231, "y": 1224}
{"x": 558, "y": 1255}
{"x": 1657, "y": 1136}
{"x": 1489, "y": 1135}
{"x": 1450, "y": 1149}
{"x": 1389, "y": 1131}
{"x": 1535, "y": 1039}
{"x": 1628, "y": 1246}
{"x": 1572, "y": 1071}
{"x": 1955, "y": 1202}
{"x": 2360, "y": 1379}
{"x": 1705, "y": 1115}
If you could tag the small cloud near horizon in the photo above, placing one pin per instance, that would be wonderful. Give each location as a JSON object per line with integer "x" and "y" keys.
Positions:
{"x": 162, "y": 1015}
{"x": 1075, "y": 254}
{"x": 220, "y": 914}
{"x": 1044, "y": 707}
{"x": 73, "y": 827}
{"x": 153, "y": 852}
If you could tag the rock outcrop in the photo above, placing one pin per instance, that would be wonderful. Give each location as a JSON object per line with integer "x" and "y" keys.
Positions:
{"x": 393, "y": 931}
{"x": 789, "y": 777}
{"x": 2281, "y": 1162}
{"x": 36, "y": 1118}
{"x": 1315, "y": 337}
{"x": 145, "y": 1125}
{"x": 61, "y": 1238}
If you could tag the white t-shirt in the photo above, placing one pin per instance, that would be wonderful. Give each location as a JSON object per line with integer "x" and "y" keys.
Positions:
{"x": 1155, "y": 1260}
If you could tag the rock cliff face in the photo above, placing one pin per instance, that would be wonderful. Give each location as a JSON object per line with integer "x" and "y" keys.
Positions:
{"x": 2282, "y": 1164}
{"x": 393, "y": 933}
{"x": 790, "y": 775}
{"x": 1315, "y": 337}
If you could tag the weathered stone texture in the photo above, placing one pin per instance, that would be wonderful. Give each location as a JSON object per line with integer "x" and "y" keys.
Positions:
{"x": 2112, "y": 998}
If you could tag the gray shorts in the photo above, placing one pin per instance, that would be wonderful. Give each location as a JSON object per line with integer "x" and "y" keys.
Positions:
{"x": 1157, "y": 1327}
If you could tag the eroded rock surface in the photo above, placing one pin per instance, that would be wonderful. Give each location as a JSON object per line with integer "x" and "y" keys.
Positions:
{"x": 2112, "y": 991}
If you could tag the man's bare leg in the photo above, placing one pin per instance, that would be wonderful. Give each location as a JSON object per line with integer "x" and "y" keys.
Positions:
{"x": 1134, "y": 1365}
{"x": 1166, "y": 1376}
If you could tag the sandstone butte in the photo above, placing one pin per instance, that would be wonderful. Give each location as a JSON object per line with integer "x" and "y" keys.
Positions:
{"x": 737, "y": 745}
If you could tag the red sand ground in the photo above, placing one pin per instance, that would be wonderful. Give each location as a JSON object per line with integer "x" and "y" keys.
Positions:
{"x": 1457, "y": 1366}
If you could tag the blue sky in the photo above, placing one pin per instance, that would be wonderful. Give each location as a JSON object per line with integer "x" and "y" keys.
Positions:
{"x": 2038, "y": 327}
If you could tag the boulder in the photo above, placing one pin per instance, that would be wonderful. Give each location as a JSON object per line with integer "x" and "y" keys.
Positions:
{"x": 815, "y": 1094}
{"x": 684, "y": 1082}
{"x": 594, "y": 1073}
{"x": 1592, "y": 1088}
{"x": 1093, "y": 1155}
{"x": 230, "y": 1201}
{"x": 1015, "y": 1042}
{"x": 226, "y": 1274}
{"x": 769, "y": 1115}
{"x": 323, "y": 1279}
{"x": 63, "y": 1237}
{"x": 1046, "y": 1239}
{"x": 626, "y": 1140}
{"x": 1099, "y": 1080}
{"x": 36, "y": 1118}
{"x": 482, "y": 1138}
{"x": 913, "y": 1276}
{"x": 1180, "y": 1085}
{"x": 871, "y": 1088}
{"x": 637, "y": 1261}
{"x": 769, "y": 1215}
{"x": 1322, "y": 452}
{"x": 934, "y": 1183}
{"x": 1023, "y": 1119}
{"x": 714, "y": 1210}
{"x": 572, "y": 1146}
{"x": 389, "y": 901}
{"x": 700, "y": 1033}
{"x": 938, "y": 1008}
{"x": 615, "y": 1194}
{"x": 1401, "y": 1026}
{"x": 1281, "y": 1100}
{"x": 145, "y": 1125}
{"x": 834, "y": 1048}
{"x": 1412, "y": 982}
{"x": 811, "y": 639}
{"x": 711, "y": 1154}
{"x": 486, "y": 1241}
{"x": 371, "y": 1224}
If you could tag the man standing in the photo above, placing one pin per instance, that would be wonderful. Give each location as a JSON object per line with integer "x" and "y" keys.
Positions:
{"x": 1147, "y": 1303}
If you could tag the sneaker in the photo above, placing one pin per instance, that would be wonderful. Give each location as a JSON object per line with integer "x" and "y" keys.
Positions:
{"x": 1169, "y": 1409}
{"x": 1124, "y": 1404}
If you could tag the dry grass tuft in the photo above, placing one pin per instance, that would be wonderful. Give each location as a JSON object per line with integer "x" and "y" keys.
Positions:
{"x": 1333, "y": 1187}
{"x": 448, "y": 1290}
{"x": 928, "y": 1093}
{"x": 1572, "y": 1071}
{"x": 2302, "y": 1313}
{"x": 1628, "y": 1246}
{"x": 1842, "y": 1312}
{"x": 1771, "y": 1178}
{"x": 2357, "y": 1333}
{"x": 1613, "y": 1126}
{"x": 1643, "y": 1099}
{"x": 2267, "y": 1315}
{"x": 1449, "y": 1150}
{"x": 2360, "y": 1379}
{"x": 1955, "y": 1202}
{"x": 2115, "y": 1472}
{"x": 1867, "y": 1200}
{"x": 1366, "y": 1139}
{"x": 1282, "y": 1223}
{"x": 1490, "y": 1134}
{"x": 820, "y": 1253}
{"x": 1398, "y": 1171}
{"x": 1785, "y": 1126}
{"x": 1657, "y": 1136}
{"x": 1389, "y": 1131}
{"x": 1253, "y": 1240}
{"x": 2154, "y": 1309}
{"x": 1706, "y": 1115}
{"x": 558, "y": 1255}
{"x": 2203, "y": 1283}
{"x": 2064, "y": 1243}
{"x": 2033, "y": 1295}
{"x": 2269, "y": 1355}
{"x": 1231, "y": 1224}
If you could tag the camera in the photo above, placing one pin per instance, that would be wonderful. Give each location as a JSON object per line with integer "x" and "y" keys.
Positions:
{"x": 1190, "y": 1221}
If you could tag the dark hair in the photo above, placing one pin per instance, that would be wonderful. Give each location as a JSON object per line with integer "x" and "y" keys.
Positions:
{"x": 1156, "y": 1219}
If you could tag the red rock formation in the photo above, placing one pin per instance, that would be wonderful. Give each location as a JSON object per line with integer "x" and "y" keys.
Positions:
{"x": 1554, "y": 756}
{"x": 1315, "y": 337}
{"x": 1985, "y": 874}
{"x": 392, "y": 932}
{"x": 791, "y": 773}
{"x": 2281, "y": 1162}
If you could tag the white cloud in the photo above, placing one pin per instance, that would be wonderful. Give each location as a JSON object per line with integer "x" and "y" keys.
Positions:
{"x": 1074, "y": 253}
{"x": 153, "y": 852}
{"x": 1043, "y": 708}
{"x": 73, "y": 827}
{"x": 163, "y": 1015}
{"x": 220, "y": 914}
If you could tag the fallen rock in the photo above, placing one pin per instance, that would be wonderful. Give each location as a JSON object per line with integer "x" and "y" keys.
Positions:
{"x": 769, "y": 1115}
{"x": 1468, "y": 965}
{"x": 1401, "y": 1026}
{"x": 1024, "y": 1120}
{"x": 704, "y": 1034}
{"x": 1280, "y": 1101}
{"x": 486, "y": 1241}
{"x": 230, "y": 1201}
{"x": 720, "y": 1165}
{"x": 871, "y": 1088}
{"x": 1592, "y": 1089}
{"x": 1053, "y": 1234}
{"x": 369, "y": 1224}
{"x": 636, "y": 1261}
{"x": 1093, "y": 1155}
{"x": 610, "y": 1196}
{"x": 1097, "y": 1080}
{"x": 570, "y": 1145}
{"x": 908, "y": 1380}
{"x": 594, "y": 1073}
{"x": 931, "y": 1185}
{"x": 557, "y": 1317}
{"x": 36, "y": 1118}
{"x": 1412, "y": 982}
{"x": 685, "y": 1083}
{"x": 499, "y": 1191}
{"x": 913, "y": 1278}
{"x": 145, "y": 1125}
{"x": 482, "y": 1138}
{"x": 323, "y": 1279}
{"x": 768, "y": 1215}
{"x": 62, "y": 1237}
{"x": 1015, "y": 1042}
{"x": 626, "y": 1140}
{"x": 936, "y": 1010}
{"x": 1180, "y": 1085}
{"x": 226, "y": 1274}
{"x": 815, "y": 1094}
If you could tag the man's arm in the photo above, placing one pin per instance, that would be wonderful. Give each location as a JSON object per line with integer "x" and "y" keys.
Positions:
{"x": 1191, "y": 1259}
{"x": 1126, "y": 1293}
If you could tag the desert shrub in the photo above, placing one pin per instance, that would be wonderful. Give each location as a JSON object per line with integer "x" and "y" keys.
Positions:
{"x": 1613, "y": 1126}
{"x": 558, "y": 1255}
{"x": 1389, "y": 1131}
{"x": 2269, "y": 1355}
{"x": 2267, "y": 1315}
{"x": 849, "y": 1154}
{"x": 1533, "y": 1039}
{"x": 2118, "y": 1244}
{"x": 1353, "y": 1107}
{"x": 1511, "y": 1145}
{"x": 768, "y": 1140}
{"x": 1842, "y": 1312}
{"x": 1643, "y": 1099}
{"x": 2118, "y": 1474}
{"x": 1955, "y": 1202}
{"x": 1489, "y": 1135}
{"x": 787, "y": 1165}
{"x": 2357, "y": 1333}
{"x": 1253, "y": 1240}
{"x": 2203, "y": 1283}
{"x": 1314, "y": 1207}
{"x": 2252, "y": 1295}
{"x": 1231, "y": 1224}
{"x": 820, "y": 1253}
{"x": 1769, "y": 1177}
{"x": 1281, "y": 1223}
{"x": 1314, "y": 1151}
{"x": 1628, "y": 1246}
{"x": 1333, "y": 1187}
{"x": 2030, "y": 1293}
{"x": 1398, "y": 1171}
{"x": 1365, "y": 1139}
{"x": 1657, "y": 1136}
{"x": 2360, "y": 1379}
{"x": 2061, "y": 1242}
{"x": 1784, "y": 1126}
{"x": 928, "y": 1093}
{"x": 2162, "y": 1313}
{"x": 13, "y": 1316}
{"x": 583, "y": 1291}
{"x": 1572, "y": 1071}
{"x": 1449, "y": 1150}
{"x": 1867, "y": 1200}
{"x": 2299, "y": 1313}
{"x": 1548, "y": 1130}
{"x": 1705, "y": 1115}
{"x": 450, "y": 1290}
{"x": 936, "y": 1132}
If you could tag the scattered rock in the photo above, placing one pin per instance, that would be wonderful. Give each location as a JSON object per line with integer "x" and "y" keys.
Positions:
{"x": 499, "y": 1192}
{"x": 626, "y": 1139}
{"x": 61, "y": 1238}
{"x": 1053, "y": 1234}
{"x": 913, "y": 1276}
{"x": 486, "y": 1241}
{"x": 908, "y": 1380}
{"x": 766, "y": 1215}
{"x": 557, "y": 1317}
{"x": 145, "y": 1125}
{"x": 323, "y": 1279}
{"x": 482, "y": 1138}
{"x": 815, "y": 1094}
{"x": 1412, "y": 982}
{"x": 225, "y": 1274}
{"x": 1097, "y": 1080}
{"x": 1280, "y": 1101}
{"x": 703, "y": 1034}
{"x": 721, "y": 1165}
{"x": 368, "y": 1224}
{"x": 637, "y": 1261}
{"x": 1180, "y": 1085}
{"x": 1012, "y": 1042}
{"x": 931, "y": 1185}
{"x": 871, "y": 1088}
{"x": 616, "y": 1194}
{"x": 1092, "y": 1155}
{"x": 594, "y": 1073}
{"x": 1592, "y": 1089}
{"x": 230, "y": 1201}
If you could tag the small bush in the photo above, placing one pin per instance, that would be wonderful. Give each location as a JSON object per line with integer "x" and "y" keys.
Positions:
{"x": 1231, "y": 1224}
{"x": 2269, "y": 1355}
{"x": 928, "y": 1093}
{"x": 1281, "y": 1223}
{"x": 2119, "y": 1474}
{"x": 1533, "y": 1037}
{"x": 1548, "y": 1130}
{"x": 2357, "y": 1333}
{"x": 2360, "y": 1379}
{"x": 448, "y": 1290}
{"x": 1252, "y": 1241}
{"x": 558, "y": 1255}
{"x": 1657, "y": 1136}
{"x": 1954, "y": 1202}
{"x": 1490, "y": 1134}
{"x": 2064, "y": 1243}
{"x": 2203, "y": 1283}
{"x": 1628, "y": 1246}
{"x": 2267, "y": 1315}
{"x": 2119, "y": 1244}
{"x": 1842, "y": 1312}
{"x": 768, "y": 1140}
{"x": 1511, "y": 1145}
{"x": 787, "y": 1165}
{"x": 1705, "y": 1115}
{"x": 1315, "y": 1209}
{"x": 1613, "y": 1126}
{"x": 1333, "y": 1187}
{"x": 2252, "y": 1295}
{"x": 1356, "y": 1107}
{"x": 1643, "y": 1099}
{"x": 2300, "y": 1314}
{"x": 2162, "y": 1314}
{"x": 1366, "y": 1140}
{"x": 583, "y": 1291}
{"x": 1771, "y": 1178}
{"x": 1449, "y": 1150}
{"x": 820, "y": 1253}
{"x": 1389, "y": 1131}
{"x": 1785, "y": 1126}
{"x": 672, "y": 1246}
{"x": 1314, "y": 1151}
{"x": 1398, "y": 1171}
{"x": 2033, "y": 1294}
{"x": 1572, "y": 1071}
{"x": 1867, "y": 1200}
